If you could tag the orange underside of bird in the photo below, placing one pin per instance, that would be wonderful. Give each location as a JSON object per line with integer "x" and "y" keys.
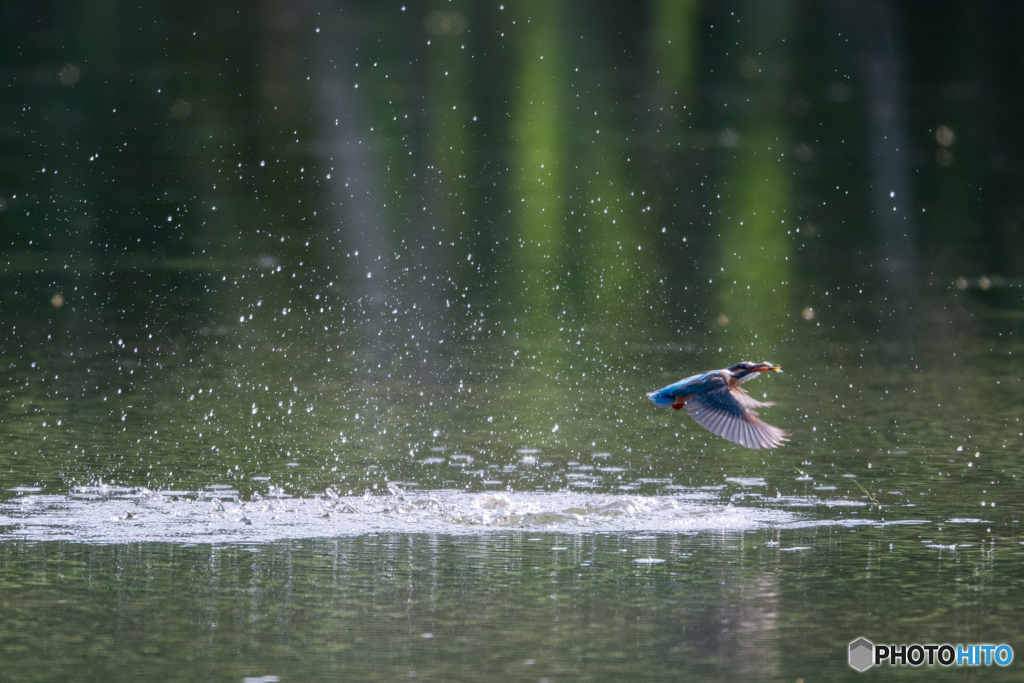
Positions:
{"x": 718, "y": 403}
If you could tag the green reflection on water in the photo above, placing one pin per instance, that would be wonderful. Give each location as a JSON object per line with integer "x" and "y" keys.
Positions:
{"x": 264, "y": 304}
{"x": 540, "y": 131}
{"x": 674, "y": 28}
{"x": 756, "y": 271}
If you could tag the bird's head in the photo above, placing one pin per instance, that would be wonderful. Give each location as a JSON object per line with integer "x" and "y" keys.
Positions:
{"x": 746, "y": 370}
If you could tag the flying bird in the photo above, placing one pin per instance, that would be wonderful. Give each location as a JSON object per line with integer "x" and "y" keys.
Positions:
{"x": 717, "y": 402}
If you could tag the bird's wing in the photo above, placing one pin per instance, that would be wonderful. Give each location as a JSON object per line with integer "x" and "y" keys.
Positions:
{"x": 747, "y": 401}
{"x": 722, "y": 412}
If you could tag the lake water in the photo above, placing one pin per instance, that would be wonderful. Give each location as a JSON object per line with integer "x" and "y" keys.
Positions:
{"x": 326, "y": 329}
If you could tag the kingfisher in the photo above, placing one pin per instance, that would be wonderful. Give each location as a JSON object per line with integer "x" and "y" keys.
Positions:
{"x": 717, "y": 402}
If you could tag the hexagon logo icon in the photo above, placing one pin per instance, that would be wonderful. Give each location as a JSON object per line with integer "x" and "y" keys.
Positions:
{"x": 862, "y": 654}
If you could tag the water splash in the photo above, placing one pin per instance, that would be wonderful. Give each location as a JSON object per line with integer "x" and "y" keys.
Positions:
{"x": 104, "y": 514}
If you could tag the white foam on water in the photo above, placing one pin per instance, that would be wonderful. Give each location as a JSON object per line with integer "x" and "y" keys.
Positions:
{"x": 104, "y": 515}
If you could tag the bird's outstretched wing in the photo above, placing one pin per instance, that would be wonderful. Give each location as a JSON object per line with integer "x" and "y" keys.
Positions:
{"x": 747, "y": 401}
{"x": 729, "y": 414}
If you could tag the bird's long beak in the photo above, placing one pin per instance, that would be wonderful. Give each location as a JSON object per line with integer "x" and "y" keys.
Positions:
{"x": 765, "y": 367}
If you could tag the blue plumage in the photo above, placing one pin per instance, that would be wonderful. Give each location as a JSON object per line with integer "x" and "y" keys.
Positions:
{"x": 691, "y": 385}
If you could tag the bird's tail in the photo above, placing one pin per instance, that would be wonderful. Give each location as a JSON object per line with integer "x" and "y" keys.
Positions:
{"x": 661, "y": 399}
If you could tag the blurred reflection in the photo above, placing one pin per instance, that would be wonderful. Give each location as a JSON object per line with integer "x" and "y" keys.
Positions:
{"x": 882, "y": 70}
{"x": 471, "y": 222}
{"x": 541, "y": 134}
{"x": 755, "y": 216}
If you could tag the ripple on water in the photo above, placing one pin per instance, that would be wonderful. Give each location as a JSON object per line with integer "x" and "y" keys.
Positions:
{"x": 747, "y": 481}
